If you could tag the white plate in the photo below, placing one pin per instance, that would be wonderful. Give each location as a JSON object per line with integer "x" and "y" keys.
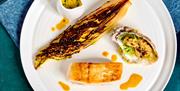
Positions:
{"x": 150, "y": 16}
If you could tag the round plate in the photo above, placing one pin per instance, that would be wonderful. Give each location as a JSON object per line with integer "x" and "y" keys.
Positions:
{"x": 149, "y": 16}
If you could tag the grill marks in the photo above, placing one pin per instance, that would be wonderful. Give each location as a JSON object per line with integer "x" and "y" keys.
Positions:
{"x": 88, "y": 29}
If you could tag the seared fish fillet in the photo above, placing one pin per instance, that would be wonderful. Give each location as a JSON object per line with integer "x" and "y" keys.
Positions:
{"x": 87, "y": 73}
{"x": 84, "y": 32}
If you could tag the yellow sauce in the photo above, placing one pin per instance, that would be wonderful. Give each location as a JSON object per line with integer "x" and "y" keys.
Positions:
{"x": 133, "y": 81}
{"x": 62, "y": 23}
{"x": 105, "y": 53}
{"x": 64, "y": 86}
{"x": 53, "y": 29}
{"x": 114, "y": 57}
{"x": 70, "y": 4}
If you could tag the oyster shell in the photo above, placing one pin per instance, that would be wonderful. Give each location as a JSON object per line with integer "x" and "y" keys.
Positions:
{"x": 134, "y": 47}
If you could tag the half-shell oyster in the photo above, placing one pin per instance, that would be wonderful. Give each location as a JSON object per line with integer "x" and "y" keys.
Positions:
{"x": 134, "y": 47}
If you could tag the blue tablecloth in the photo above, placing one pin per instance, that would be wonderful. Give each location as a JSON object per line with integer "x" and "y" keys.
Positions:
{"x": 12, "y": 14}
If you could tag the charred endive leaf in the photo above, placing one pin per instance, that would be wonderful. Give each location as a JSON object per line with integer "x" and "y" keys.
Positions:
{"x": 84, "y": 32}
{"x": 134, "y": 47}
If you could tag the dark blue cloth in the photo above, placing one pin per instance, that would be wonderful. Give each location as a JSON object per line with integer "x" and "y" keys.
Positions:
{"x": 174, "y": 9}
{"x": 12, "y": 14}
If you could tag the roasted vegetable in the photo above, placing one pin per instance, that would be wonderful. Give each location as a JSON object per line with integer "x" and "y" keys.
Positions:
{"x": 84, "y": 32}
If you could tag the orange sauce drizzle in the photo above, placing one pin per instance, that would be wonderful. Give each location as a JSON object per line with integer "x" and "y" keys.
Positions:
{"x": 114, "y": 57}
{"x": 105, "y": 53}
{"x": 64, "y": 86}
{"x": 133, "y": 81}
{"x": 62, "y": 23}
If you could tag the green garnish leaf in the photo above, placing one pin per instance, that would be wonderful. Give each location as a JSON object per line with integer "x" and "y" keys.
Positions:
{"x": 129, "y": 50}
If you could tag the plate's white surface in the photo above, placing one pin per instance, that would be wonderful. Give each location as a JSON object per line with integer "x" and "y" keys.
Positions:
{"x": 149, "y": 16}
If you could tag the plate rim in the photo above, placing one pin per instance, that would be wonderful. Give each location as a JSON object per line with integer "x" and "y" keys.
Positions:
{"x": 33, "y": 80}
{"x": 37, "y": 84}
{"x": 164, "y": 12}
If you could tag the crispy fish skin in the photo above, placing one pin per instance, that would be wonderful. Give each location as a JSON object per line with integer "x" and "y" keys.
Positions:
{"x": 84, "y": 32}
{"x": 94, "y": 73}
{"x": 79, "y": 71}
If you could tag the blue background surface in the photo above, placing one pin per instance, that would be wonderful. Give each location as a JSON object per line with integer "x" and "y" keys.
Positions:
{"x": 12, "y": 13}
